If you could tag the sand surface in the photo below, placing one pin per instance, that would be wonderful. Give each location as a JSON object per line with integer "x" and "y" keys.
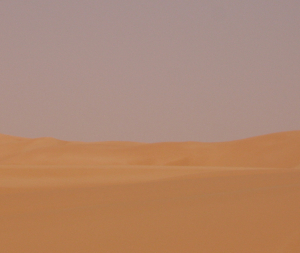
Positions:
{"x": 239, "y": 196}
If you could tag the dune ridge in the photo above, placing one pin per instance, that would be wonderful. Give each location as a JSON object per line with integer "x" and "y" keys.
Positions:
{"x": 279, "y": 150}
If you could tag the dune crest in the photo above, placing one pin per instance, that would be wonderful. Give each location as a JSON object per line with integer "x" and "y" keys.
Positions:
{"x": 279, "y": 150}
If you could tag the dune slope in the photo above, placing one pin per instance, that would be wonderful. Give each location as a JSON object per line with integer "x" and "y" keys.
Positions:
{"x": 206, "y": 211}
{"x": 74, "y": 197}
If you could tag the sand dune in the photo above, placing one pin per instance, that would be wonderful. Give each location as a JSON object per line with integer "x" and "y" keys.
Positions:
{"x": 240, "y": 196}
{"x": 280, "y": 150}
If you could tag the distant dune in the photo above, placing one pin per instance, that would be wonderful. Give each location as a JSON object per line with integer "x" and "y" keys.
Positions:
{"x": 280, "y": 150}
{"x": 127, "y": 197}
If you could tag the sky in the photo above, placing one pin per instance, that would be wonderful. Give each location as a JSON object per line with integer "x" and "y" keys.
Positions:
{"x": 149, "y": 71}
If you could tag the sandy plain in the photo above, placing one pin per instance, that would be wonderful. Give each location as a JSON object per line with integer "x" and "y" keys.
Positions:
{"x": 238, "y": 196}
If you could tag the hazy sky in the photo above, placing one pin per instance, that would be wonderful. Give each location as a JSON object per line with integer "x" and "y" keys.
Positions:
{"x": 149, "y": 71}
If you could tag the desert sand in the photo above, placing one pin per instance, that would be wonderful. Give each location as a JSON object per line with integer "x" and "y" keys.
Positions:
{"x": 115, "y": 197}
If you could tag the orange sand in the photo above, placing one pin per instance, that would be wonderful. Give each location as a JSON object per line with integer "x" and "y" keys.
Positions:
{"x": 239, "y": 196}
